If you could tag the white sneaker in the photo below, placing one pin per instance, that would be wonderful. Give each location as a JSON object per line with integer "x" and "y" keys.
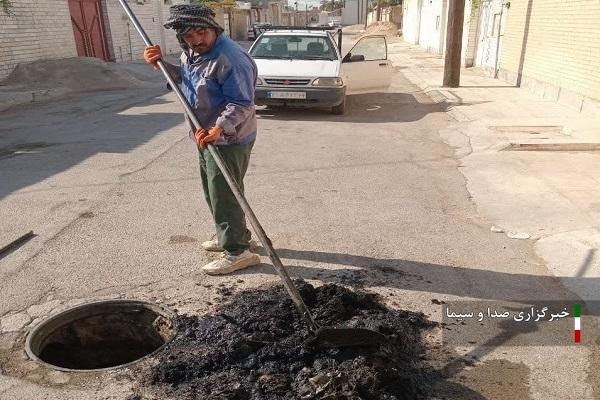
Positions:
{"x": 213, "y": 245}
{"x": 227, "y": 263}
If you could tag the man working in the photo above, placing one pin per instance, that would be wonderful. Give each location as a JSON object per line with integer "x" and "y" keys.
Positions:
{"x": 218, "y": 79}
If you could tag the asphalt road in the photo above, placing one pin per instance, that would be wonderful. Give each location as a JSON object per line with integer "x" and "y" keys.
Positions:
{"x": 109, "y": 184}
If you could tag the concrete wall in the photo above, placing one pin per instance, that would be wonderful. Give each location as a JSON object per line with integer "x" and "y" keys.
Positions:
{"x": 470, "y": 31}
{"x": 40, "y": 29}
{"x": 554, "y": 45}
{"x": 354, "y": 12}
{"x": 424, "y": 22}
{"x": 125, "y": 42}
{"x": 433, "y": 25}
{"x": 411, "y": 20}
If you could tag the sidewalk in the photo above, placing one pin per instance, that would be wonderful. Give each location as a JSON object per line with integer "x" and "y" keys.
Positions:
{"x": 531, "y": 165}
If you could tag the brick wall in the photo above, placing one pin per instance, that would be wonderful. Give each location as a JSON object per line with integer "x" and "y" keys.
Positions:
{"x": 555, "y": 46}
{"x": 40, "y": 29}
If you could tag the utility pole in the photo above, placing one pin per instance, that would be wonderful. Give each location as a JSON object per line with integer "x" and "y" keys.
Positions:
{"x": 306, "y": 13}
{"x": 456, "y": 17}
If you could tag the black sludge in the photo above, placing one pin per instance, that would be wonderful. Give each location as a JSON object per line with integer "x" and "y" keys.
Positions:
{"x": 256, "y": 347}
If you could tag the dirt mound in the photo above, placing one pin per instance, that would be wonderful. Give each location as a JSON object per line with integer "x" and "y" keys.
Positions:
{"x": 77, "y": 74}
{"x": 257, "y": 347}
{"x": 354, "y": 29}
{"x": 389, "y": 29}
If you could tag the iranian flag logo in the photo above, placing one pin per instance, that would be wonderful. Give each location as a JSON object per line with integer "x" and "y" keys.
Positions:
{"x": 577, "y": 315}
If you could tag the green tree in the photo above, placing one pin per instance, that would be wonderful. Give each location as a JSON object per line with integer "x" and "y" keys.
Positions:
{"x": 6, "y": 7}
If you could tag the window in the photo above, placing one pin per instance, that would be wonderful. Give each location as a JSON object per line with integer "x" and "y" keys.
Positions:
{"x": 372, "y": 48}
{"x": 294, "y": 47}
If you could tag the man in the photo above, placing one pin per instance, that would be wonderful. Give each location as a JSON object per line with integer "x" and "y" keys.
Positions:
{"x": 218, "y": 79}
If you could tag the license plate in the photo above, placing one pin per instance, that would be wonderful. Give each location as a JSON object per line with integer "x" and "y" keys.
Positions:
{"x": 286, "y": 95}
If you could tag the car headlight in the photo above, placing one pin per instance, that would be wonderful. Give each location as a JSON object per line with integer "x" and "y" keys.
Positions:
{"x": 259, "y": 82}
{"x": 328, "y": 82}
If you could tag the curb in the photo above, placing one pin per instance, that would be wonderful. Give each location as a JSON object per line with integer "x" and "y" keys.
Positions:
{"x": 438, "y": 96}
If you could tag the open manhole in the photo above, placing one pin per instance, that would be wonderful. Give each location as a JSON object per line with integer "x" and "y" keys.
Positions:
{"x": 100, "y": 335}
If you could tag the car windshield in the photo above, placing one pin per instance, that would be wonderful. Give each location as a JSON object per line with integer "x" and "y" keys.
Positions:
{"x": 294, "y": 47}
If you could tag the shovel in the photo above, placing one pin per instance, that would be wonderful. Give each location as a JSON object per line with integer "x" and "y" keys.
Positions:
{"x": 323, "y": 336}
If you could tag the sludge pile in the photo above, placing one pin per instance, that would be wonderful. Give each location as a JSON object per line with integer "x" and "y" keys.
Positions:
{"x": 257, "y": 347}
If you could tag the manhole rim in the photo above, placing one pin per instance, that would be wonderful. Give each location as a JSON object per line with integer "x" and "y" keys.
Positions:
{"x": 155, "y": 307}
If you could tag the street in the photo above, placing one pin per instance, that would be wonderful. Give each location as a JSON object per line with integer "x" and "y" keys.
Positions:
{"x": 374, "y": 199}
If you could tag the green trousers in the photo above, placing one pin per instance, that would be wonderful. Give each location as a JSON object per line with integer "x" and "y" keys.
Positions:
{"x": 229, "y": 218}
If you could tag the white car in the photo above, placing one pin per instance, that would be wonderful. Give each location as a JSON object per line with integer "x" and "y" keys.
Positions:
{"x": 303, "y": 67}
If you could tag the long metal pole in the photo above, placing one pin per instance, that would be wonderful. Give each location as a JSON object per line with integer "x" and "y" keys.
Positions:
{"x": 258, "y": 229}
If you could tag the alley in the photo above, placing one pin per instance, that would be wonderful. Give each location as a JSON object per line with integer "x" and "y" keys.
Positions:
{"x": 374, "y": 199}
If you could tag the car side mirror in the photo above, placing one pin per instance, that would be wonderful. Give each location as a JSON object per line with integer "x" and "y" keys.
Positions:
{"x": 353, "y": 58}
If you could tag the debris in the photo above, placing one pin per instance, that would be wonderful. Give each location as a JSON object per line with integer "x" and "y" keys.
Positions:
{"x": 15, "y": 322}
{"x": 388, "y": 29}
{"x": 257, "y": 347}
{"x": 80, "y": 74}
{"x": 496, "y": 230}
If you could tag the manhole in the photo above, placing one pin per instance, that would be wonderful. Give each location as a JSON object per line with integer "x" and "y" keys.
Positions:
{"x": 100, "y": 335}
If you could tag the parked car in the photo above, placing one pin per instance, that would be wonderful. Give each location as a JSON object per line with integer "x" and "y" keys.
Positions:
{"x": 256, "y": 29}
{"x": 303, "y": 67}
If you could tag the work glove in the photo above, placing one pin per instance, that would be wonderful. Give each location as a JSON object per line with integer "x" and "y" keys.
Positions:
{"x": 152, "y": 54}
{"x": 199, "y": 135}
{"x": 209, "y": 137}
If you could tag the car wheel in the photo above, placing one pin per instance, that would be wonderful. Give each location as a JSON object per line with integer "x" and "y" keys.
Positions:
{"x": 340, "y": 109}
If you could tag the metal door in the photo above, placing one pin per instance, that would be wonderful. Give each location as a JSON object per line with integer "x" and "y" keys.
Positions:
{"x": 373, "y": 72}
{"x": 489, "y": 35}
{"x": 88, "y": 28}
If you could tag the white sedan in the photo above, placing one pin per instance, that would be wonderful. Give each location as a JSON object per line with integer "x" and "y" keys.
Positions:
{"x": 304, "y": 68}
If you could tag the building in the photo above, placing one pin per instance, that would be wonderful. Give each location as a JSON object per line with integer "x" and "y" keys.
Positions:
{"x": 550, "y": 47}
{"x": 51, "y": 29}
{"x": 355, "y": 12}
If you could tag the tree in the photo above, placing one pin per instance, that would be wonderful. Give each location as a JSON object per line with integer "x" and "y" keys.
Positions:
{"x": 6, "y": 7}
{"x": 331, "y": 5}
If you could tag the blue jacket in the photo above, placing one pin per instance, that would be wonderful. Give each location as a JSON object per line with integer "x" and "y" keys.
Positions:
{"x": 219, "y": 86}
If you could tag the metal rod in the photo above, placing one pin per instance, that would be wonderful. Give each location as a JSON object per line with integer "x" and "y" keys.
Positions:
{"x": 258, "y": 229}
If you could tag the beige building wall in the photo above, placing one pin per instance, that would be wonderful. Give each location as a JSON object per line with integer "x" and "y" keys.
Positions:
{"x": 39, "y": 29}
{"x": 554, "y": 45}
{"x": 470, "y": 32}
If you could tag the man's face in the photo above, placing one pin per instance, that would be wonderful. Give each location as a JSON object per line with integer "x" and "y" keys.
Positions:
{"x": 201, "y": 40}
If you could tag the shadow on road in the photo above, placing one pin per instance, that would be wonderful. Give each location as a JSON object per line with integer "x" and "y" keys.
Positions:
{"x": 376, "y": 107}
{"x": 65, "y": 133}
{"x": 425, "y": 277}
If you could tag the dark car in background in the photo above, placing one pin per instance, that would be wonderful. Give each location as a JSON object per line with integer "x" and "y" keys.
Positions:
{"x": 255, "y": 30}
